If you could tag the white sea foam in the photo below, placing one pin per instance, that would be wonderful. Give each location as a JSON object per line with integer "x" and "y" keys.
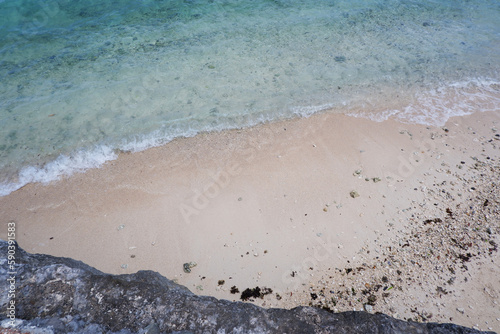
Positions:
{"x": 436, "y": 106}
{"x": 307, "y": 111}
{"x": 83, "y": 160}
{"x": 154, "y": 139}
{"x": 62, "y": 166}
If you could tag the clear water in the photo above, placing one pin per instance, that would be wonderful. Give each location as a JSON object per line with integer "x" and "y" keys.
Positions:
{"x": 82, "y": 79}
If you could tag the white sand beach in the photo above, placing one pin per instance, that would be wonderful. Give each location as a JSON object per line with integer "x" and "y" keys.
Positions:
{"x": 316, "y": 209}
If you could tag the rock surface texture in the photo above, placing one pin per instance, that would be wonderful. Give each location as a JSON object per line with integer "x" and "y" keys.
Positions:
{"x": 61, "y": 295}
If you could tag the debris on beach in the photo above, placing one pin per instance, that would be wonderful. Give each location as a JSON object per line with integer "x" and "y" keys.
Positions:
{"x": 188, "y": 265}
{"x": 446, "y": 239}
{"x": 434, "y": 220}
{"x": 255, "y": 293}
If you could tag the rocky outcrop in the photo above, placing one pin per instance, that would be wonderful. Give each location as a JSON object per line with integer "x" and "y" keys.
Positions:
{"x": 64, "y": 296}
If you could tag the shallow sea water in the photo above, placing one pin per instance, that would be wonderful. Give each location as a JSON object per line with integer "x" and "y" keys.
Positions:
{"x": 82, "y": 79}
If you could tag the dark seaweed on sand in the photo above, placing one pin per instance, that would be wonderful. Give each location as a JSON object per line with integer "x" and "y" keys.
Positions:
{"x": 255, "y": 293}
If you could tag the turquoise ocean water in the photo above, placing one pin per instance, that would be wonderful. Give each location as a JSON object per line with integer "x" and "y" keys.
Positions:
{"x": 83, "y": 79}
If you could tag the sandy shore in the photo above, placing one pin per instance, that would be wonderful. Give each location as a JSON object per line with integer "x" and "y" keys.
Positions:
{"x": 333, "y": 211}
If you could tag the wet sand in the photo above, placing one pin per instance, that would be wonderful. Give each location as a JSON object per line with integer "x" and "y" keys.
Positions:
{"x": 332, "y": 211}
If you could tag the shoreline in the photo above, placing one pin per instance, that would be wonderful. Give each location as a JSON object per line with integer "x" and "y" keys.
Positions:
{"x": 253, "y": 206}
{"x": 456, "y": 99}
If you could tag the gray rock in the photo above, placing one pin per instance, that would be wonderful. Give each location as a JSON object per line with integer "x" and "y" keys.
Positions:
{"x": 152, "y": 329}
{"x": 67, "y": 296}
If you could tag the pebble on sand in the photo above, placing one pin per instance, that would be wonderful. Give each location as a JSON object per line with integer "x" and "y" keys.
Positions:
{"x": 188, "y": 265}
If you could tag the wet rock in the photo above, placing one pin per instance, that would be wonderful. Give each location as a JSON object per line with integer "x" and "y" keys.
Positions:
{"x": 61, "y": 295}
{"x": 152, "y": 329}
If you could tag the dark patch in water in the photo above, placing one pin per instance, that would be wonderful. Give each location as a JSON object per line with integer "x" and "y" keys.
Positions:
{"x": 340, "y": 59}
